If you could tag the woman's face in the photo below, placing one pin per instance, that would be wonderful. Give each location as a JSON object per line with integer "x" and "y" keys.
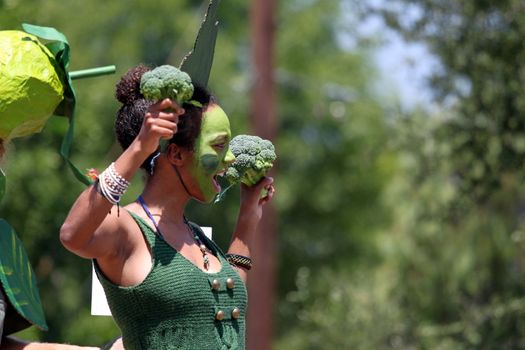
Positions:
{"x": 212, "y": 153}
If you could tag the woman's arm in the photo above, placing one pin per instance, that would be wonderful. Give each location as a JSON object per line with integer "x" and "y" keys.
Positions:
{"x": 250, "y": 214}
{"x": 90, "y": 227}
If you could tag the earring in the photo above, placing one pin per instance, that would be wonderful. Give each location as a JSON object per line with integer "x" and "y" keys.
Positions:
{"x": 152, "y": 163}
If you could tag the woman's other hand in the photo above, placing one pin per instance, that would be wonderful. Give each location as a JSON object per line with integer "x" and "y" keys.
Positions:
{"x": 252, "y": 202}
{"x": 250, "y": 214}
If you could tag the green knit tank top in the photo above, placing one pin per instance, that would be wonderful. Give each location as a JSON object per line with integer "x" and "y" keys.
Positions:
{"x": 179, "y": 306}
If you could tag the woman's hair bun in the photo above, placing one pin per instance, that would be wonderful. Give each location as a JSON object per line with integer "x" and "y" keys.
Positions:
{"x": 128, "y": 88}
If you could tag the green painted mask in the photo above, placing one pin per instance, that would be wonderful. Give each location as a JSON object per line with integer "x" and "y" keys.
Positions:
{"x": 212, "y": 153}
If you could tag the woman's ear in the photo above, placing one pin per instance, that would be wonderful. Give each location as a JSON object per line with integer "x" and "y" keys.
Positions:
{"x": 176, "y": 155}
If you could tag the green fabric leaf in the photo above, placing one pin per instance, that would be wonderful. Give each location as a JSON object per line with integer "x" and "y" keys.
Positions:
{"x": 18, "y": 278}
{"x": 199, "y": 61}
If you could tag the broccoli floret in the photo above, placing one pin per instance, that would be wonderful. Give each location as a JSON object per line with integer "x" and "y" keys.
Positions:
{"x": 254, "y": 157}
{"x": 166, "y": 82}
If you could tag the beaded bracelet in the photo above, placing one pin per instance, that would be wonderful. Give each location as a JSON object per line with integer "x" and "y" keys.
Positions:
{"x": 239, "y": 261}
{"x": 112, "y": 185}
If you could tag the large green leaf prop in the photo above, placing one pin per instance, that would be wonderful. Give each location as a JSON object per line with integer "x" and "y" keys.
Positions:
{"x": 199, "y": 61}
{"x": 18, "y": 278}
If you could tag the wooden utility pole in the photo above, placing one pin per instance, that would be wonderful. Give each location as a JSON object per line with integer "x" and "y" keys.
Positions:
{"x": 263, "y": 120}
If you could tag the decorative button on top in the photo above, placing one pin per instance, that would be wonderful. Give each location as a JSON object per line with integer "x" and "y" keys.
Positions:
{"x": 230, "y": 283}
{"x": 236, "y": 313}
{"x": 216, "y": 284}
{"x": 219, "y": 316}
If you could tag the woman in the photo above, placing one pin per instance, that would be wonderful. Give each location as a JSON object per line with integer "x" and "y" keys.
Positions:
{"x": 167, "y": 285}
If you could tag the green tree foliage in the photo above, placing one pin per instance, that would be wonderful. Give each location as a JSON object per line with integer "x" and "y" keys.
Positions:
{"x": 446, "y": 269}
{"x": 457, "y": 261}
{"x": 481, "y": 50}
{"x": 333, "y": 165}
{"x": 455, "y": 247}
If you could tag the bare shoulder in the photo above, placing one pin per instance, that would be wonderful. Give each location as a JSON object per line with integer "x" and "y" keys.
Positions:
{"x": 130, "y": 237}
{"x": 134, "y": 209}
{"x": 122, "y": 218}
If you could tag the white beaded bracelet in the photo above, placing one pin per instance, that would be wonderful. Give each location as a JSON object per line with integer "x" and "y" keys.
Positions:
{"x": 112, "y": 185}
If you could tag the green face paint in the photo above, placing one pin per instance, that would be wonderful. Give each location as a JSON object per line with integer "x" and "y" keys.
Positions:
{"x": 212, "y": 153}
{"x": 210, "y": 163}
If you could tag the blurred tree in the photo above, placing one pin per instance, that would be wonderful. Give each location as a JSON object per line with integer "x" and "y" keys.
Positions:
{"x": 456, "y": 262}
{"x": 481, "y": 50}
{"x": 263, "y": 122}
{"x": 455, "y": 246}
{"x": 445, "y": 272}
{"x": 333, "y": 166}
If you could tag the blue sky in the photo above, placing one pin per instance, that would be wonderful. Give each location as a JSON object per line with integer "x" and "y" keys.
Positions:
{"x": 403, "y": 67}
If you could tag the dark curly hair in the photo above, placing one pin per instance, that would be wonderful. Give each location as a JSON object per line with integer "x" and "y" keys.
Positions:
{"x": 134, "y": 106}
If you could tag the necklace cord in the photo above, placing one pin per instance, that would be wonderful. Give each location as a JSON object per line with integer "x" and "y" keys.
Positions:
{"x": 148, "y": 213}
{"x": 181, "y": 181}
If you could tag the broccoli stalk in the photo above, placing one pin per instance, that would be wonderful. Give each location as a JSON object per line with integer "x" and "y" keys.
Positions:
{"x": 254, "y": 157}
{"x": 166, "y": 82}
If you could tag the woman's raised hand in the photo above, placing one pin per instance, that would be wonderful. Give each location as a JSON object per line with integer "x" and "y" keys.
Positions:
{"x": 160, "y": 122}
{"x": 250, "y": 214}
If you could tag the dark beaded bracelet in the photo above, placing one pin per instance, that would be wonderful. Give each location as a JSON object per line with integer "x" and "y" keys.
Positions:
{"x": 239, "y": 261}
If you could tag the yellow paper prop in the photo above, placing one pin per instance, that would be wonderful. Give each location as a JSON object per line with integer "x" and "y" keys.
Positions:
{"x": 30, "y": 87}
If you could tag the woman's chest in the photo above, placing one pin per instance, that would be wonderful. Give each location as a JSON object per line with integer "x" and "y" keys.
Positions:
{"x": 177, "y": 288}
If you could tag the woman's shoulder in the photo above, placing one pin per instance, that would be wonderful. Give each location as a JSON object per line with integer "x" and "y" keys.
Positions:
{"x": 136, "y": 216}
